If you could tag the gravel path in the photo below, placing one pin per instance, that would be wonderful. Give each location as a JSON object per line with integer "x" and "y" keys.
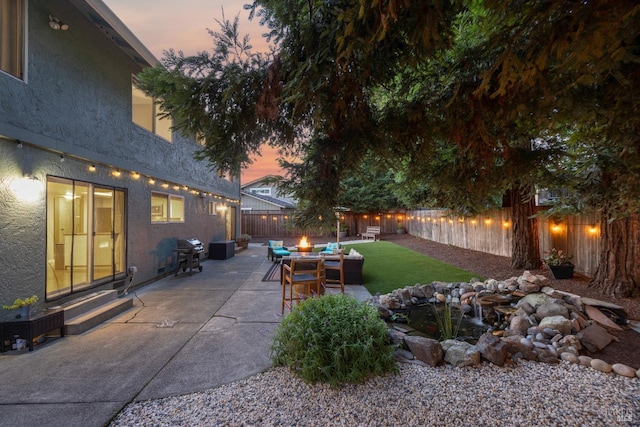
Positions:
{"x": 528, "y": 394}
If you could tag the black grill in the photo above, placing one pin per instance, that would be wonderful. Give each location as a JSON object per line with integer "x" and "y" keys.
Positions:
{"x": 191, "y": 245}
{"x": 189, "y": 251}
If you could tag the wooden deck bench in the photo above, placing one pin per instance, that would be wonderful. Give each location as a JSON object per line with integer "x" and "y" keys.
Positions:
{"x": 372, "y": 232}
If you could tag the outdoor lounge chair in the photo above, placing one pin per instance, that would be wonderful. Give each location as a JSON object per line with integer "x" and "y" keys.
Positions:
{"x": 276, "y": 250}
{"x": 330, "y": 248}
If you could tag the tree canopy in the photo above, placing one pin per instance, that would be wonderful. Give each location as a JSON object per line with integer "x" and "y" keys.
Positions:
{"x": 462, "y": 100}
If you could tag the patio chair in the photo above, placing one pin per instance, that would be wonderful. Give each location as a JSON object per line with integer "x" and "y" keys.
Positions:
{"x": 276, "y": 250}
{"x": 301, "y": 279}
{"x": 334, "y": 271}
{"x": 330, "y": 248}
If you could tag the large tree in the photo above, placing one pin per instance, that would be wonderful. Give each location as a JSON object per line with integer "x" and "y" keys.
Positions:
{"x": 585, "y": 56}
{"x": 528, "y": 69}
{"x": 557, "y": 68}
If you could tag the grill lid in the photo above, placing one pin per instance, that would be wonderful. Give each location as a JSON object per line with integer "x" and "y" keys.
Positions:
{"x": 192, "y": 244}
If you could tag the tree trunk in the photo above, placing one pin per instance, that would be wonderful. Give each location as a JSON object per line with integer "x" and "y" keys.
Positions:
{"x": 525, "y": 246}
{"x": 618, "y": 273}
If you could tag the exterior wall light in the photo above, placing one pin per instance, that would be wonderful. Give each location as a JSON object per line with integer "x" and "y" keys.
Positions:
{"x": 56, "y": 24}
{"x": 27, "y": 189}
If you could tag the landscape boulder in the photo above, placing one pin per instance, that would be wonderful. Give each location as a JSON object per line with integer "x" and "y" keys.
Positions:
{"x": 425, "y": 349}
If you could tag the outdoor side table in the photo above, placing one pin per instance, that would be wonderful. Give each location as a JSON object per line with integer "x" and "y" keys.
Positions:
{"x": 32, "y": 327}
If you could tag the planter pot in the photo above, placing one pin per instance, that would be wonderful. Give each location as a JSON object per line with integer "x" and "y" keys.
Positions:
{"x": 562, "y": 271}
{"x": 243, "y": 245}
{"x": 401, "y": 230}
{"x": 24, "y": 311}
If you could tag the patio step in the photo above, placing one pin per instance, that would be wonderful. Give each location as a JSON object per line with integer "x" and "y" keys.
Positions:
{"x": 89, "y": 312}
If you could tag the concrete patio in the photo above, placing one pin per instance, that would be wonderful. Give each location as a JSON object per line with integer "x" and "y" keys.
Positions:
{"x": 184, "y": 334}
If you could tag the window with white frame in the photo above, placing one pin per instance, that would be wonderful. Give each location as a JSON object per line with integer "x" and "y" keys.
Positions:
{"x": 265, "y": 191}
{"x": 149, "y": 115}
{"x": 12, "y": 37}
{"x": 212, "y": 208}
{"x": 167, "y": 208}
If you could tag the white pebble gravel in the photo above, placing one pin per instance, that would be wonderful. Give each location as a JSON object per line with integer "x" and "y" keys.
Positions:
{"x": 526, "y": 394}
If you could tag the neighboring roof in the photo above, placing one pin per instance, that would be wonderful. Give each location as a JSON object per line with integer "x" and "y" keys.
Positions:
{"x": 258, "y": 181}
{"x": 277, "y": 202}
{"x": 114, "y": 29}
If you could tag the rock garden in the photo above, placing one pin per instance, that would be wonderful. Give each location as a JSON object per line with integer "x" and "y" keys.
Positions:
{"x": 525, "y": 318}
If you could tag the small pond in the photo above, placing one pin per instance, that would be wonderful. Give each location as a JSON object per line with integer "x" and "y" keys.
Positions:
{"x": 423, "y": 319}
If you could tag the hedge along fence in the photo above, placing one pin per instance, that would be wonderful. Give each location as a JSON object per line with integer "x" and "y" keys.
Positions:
{"x": 492, "y": 233}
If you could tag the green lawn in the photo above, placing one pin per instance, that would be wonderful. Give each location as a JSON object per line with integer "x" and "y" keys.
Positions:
{"x": 388, "y": 266}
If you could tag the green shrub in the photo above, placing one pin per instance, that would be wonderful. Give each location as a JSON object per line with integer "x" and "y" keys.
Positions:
{"x": 333, "y": 339}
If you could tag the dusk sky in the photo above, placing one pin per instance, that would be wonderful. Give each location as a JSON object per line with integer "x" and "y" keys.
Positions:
{"x": 182, "y": 25}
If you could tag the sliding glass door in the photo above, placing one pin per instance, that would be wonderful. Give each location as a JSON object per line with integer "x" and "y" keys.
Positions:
{"x": 85, "y": 235}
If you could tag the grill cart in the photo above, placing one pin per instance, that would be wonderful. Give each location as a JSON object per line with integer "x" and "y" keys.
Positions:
{"x": 189, "y": 251}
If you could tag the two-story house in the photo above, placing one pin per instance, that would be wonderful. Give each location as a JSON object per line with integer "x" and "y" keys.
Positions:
{"x": 260, "y": 195}
{"x": 92, "y": 179}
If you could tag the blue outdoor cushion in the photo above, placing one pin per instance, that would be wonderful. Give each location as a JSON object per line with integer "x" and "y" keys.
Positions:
{"x": 276, "y": 243}
{"x": 331, "y": 246}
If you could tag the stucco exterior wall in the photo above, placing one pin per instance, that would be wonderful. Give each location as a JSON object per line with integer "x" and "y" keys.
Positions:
{"x": 76, "y": 102}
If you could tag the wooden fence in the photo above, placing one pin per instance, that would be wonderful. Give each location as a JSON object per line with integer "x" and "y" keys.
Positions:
{"x": 490, "y": 232}
{"x": 278, "y": 223}
{"x": 273, "y": 223}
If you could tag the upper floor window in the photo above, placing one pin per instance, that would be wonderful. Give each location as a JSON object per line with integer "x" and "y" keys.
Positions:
{"x": 147, "y": 114}
{"x": 12, "y": 37}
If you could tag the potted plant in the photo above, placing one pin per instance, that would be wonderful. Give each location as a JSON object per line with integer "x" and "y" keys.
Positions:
{"x": 400, "y": 229}
{"x": 344, "y": 229}
{"x": 559, "y": 262}
{"x": 243, "y": 241}
{"x": 23, "y": 306}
